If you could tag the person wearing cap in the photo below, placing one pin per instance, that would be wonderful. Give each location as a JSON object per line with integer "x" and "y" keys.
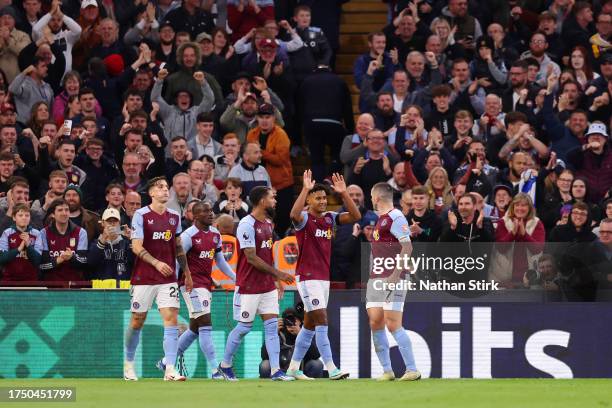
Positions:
{"x": 180, "y": 117}
{"x": 593, "y": 161}
{"x": 29, "y": 87}
{"x": 547, "y": 24}
{"x": 211, "y": 62}
{"x": 165, "y": 50}
{"x": 8, "y": 114}
{"x": 66, "y": 37}
{"x": 110, "y": 256}
{"x": 240, "y": 115}
{"x": 275, "y": 144}
{"x": 12, "y": 41}
{"x": 89, "y": 20}
{"x": 487, "y": 64}
{"x": 88, "y": 220}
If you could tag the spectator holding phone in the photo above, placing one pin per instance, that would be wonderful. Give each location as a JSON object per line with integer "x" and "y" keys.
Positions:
{"x": 110, "y": 256}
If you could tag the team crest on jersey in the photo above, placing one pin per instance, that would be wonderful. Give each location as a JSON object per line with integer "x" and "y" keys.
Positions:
{"x": 315, "y": 302}
{"x": 207, "y": 254}
{"x": 383, "y": 223}
{"x": 259, "y": 230}
{"x": 72, "y": 242}
{"x": 150, "y": 222}
{"x": 376, "y": 235}
{"x": 13, "y": 240}
{"x": 216, "y": 239}
{"x": 245, "y": 315}
{"x": 172, "y": 221}
{"x": 328, "y": 220}
{"x": 266, "y": 244}
{"x": 163, "y": 235}
{"x": 136, "y": 305}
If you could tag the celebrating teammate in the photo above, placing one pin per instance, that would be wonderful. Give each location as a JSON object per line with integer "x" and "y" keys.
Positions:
{"x": 314, "y": 233}
{"x": 202, "y": 244}
{"x": 256, "y": 291}
{"x": 391, "y": 237}
{"x": 155, "y": 231}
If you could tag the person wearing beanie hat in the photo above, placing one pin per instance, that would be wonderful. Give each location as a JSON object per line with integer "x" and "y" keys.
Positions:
{"x": 17, "y": 38}
{"x": 487, "y": 68}
{"x": 82, "y": 217}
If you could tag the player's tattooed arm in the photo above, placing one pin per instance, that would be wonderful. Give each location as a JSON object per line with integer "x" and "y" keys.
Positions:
{"x": 262, "y": 266}
{"x": 181, "y": 257}
{"x": 142, "y": 253}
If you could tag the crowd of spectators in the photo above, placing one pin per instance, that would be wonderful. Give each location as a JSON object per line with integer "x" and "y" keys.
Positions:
{"x": 491, "y": 121}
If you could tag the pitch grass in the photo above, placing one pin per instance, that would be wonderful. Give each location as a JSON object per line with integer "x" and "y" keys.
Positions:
{"x": 497, "y": 393}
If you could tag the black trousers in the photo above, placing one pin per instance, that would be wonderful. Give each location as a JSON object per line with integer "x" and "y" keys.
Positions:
{"x": 321, "y": 134}
{"x": 284, "y": 202}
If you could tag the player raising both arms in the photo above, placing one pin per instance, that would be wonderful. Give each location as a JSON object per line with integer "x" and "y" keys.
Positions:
{"x": 155, "y": 231}
{"x": 391, "y": 237}
{"x": 202, "y": 244}
{"x": 256, "y": 280}
{"x": 314, "y": 233}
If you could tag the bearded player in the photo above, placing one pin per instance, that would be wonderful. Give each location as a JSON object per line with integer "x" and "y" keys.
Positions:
{"x": 391, "y": 237}
{"x": 155, "y": 231}
{"x": 257, "y": 292}
{"x": 202, "y": 244}
{"x": 314, "y": 233}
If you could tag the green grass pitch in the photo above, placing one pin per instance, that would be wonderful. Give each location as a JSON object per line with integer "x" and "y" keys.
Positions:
{"x": 497, "y": 393}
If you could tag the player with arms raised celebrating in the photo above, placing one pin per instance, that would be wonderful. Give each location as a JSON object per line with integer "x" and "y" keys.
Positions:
{"x": 202, "y": 244}
{"x": 391, "y": 237}
{"x": 155, "y": 231}
{"x": 314, "y": 234}
{"x": 256, "y": 280}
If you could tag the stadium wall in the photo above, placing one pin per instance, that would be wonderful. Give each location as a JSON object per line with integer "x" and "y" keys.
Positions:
{"x": 79, "y": 333}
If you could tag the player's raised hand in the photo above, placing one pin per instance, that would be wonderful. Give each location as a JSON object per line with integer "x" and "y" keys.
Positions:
{"x": 308, "y": 183}
{"x": 339, "y": 185}
{"x": 163, "y": 268}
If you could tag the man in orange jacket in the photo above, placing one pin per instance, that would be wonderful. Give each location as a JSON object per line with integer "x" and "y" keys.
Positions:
{"x": 275, "y": 144}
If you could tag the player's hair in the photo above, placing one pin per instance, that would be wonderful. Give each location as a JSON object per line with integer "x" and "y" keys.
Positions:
{"x": 513, "y": 117}
{"x": 468, "y": 195}
{"x": 257, "y": 194}
{"x": 419, "y": 190}
{"x": 200, "y": 205}
{"x": 56, "y": 203}
{"x": 114, "y": 185}
{"x": 58, "y": 174}
{"x": 319, "y": 187}
{"x": 384, "y": 191}
{"x": 301, "y": 7}
{"x": 154, "y": 181}
{"x": 20, "y": 207}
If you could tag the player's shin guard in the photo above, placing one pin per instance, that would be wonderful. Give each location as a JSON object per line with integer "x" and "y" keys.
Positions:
{"x": 302, "y": 344}
{"x": 405, "y": 347}
{"x": 170, "y": 345}
{"x": 206, "y": 344}
{"x": 233, "y": 342}
{"x": 381, "y": 346}
{"x": 132, "y": 338}
{"x": 324, "y": 347}
{"x": 185, "y": 341}
{"x": 272, "y": 343}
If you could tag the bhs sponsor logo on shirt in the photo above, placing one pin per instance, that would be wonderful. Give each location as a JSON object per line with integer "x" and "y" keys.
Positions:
{"x": 319, "y": 233}
{"x": 207, "y": 254}
{"x": 165, "y": 235}
{"x": 266, "y": 244}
